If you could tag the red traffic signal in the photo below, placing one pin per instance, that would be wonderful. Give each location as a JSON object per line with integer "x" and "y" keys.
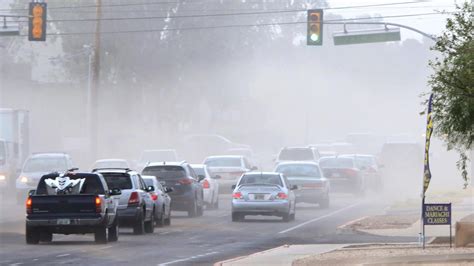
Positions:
{"x": 37, "y": 22}
{"x": 315, "y": 27}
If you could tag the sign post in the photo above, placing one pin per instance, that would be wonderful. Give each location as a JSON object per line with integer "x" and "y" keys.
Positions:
{"x": 437, "y": 214}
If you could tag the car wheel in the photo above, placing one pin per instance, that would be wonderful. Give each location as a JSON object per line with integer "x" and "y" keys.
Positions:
{"x": 237, "y": 217}
{"x": 46, "y": 236}
{"x": 32, "y": 235}
{"x": 192, "y": 211}
{"x": 150, "y": 225}
{"x": 324, "y": 203}
{"x": 114, "y": 231}
{"x": 100, "y": 235}
{"x": 161, "y": 220}
{"x": 139, "y": 227}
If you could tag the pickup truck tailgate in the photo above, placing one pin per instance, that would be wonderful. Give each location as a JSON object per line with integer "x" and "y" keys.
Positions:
{"x": 63, "y": 204}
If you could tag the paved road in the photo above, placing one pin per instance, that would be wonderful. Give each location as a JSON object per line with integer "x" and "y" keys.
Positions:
{"x": 196, "y": 241}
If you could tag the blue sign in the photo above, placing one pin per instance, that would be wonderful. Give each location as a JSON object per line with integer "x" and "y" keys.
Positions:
{"x": 437, "y": 213}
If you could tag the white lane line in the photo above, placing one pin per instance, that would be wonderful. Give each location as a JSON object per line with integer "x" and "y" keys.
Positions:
{"x": 18, "y": 263}
{"x": 319, "y": 218}
{"x": 62, "y": 255}
{"x": 106, "y": 247}
{"x": 189, "y": 258}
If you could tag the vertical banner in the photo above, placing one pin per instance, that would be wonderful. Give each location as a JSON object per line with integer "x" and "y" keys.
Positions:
{"x": 429, "y": 131}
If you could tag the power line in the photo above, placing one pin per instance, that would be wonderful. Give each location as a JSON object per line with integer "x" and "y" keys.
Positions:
{"x": 235, "y": 26}
{"x": 157, "y": 3}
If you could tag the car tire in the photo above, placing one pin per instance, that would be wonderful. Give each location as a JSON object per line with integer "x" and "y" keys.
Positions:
{"x": 160, "y": 222}
{"x": 114, "y": 231}
{"x": 32, "y": 235}
{"x": 324, "y": 203}
{"x": 192, "y": 211}
{"x": 100, "y": 235}
{"x": 46, "y": 237}
{"x": 237, "y": 217}
{"x": 150, "y": 225}
{"x": 139, "y": 227}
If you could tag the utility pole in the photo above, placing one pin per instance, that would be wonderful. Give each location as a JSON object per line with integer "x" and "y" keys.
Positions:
{"x": 95, "y": 86}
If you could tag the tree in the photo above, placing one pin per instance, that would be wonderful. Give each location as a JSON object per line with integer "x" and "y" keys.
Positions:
{"x": 453, "y": 84}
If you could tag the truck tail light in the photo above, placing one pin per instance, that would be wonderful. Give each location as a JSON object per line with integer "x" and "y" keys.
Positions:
{"x": 98, "y": 204}
{"x": 29, "y": 203}
{"x": 133, "y": 200}
{"x": 205, "y": 184}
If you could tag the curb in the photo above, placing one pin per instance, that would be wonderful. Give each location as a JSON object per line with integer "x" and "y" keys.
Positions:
{"x": 220, "y": 263}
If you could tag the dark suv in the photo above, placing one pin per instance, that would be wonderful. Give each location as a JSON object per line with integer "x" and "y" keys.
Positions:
{"x": 187, "y": 192}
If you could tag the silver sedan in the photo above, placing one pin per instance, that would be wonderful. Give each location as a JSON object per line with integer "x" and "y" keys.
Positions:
{"x": 263, "y": 194}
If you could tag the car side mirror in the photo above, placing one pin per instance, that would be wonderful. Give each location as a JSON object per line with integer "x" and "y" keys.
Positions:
{"x": 168, "y": 189}
{"x": 150, "y": 189}
{"x": 233, "y": 187}
{"x": 294, "y": 187}
{"x": 254, "y": 168}
{"x": 32, "y": 192}
{"x": 201, "y": 178}
{"x": 217, "y": 177}
{"x": 115, "y": 192}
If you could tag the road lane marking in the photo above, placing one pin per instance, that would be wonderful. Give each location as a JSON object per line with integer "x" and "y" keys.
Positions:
{"x": 319, "y": 218}
{"x": 189, "y": 258}
{"x": 62, "y": 255}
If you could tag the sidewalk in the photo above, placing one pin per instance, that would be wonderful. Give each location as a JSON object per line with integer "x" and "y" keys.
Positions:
{"x": 281, "y": 256}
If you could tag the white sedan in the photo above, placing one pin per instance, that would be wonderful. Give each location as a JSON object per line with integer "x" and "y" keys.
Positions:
{"x": 209, "y": 185}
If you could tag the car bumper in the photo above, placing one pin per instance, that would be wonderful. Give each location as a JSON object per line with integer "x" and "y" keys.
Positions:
{"x": 60, "y": 222}
{"x": 262, "y": 208}
{"x": 182, "y": 202}
{"x": 128, "y": 216}
{"x": 310, "y": 195}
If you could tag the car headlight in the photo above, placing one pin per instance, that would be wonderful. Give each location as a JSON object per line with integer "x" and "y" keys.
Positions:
{"x": 24, "y": 179}
{"x": 2, "y": 177}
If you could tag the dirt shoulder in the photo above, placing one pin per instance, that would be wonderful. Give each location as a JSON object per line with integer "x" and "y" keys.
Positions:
{"x": 392, "y": 254}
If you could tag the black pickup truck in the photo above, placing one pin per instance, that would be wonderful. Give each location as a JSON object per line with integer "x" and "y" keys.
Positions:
{"x": 90, "y": 210}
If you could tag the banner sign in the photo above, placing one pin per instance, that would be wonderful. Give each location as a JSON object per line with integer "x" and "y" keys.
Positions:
{"x": 437, "y": 213}
{"x": 429, "y": 131}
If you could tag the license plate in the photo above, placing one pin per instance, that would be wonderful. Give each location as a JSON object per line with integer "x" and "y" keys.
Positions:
{"x": 63, "y": 221}
{"x": 259, "y": 196}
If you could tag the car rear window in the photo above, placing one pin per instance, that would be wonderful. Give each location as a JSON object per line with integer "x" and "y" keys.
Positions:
{"x": 118, "y": 180}
{"x": 165, "y": 172}
{"x": 223, "y": 162}
{"x": 45, "y": 164}
{"x": 299, "y": 170}
{"x": 92, "y": 184}
{"x": 260, "y": 180}
{"x": 296, "y": 155}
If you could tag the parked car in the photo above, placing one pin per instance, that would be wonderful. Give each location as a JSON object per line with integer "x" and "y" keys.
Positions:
{"x": 297, "y": 154}
{"x": 157, "y": 155}
{"x": 313, "y": 187}
{"x": 57, "y": 210}
{"x": 37, "y": 165}
{"x": 135, "y": 206}
{"x": 343, "y": 174}
{"x": 161, "y": 199}
{"x": 263, "y": 194}
{"x": 209, "y": 185}
{"x": 368, "y": 164}
{"x": 111, "y": 163}
{"x": 187, "y": 194}
{"x": 227, "y": 169}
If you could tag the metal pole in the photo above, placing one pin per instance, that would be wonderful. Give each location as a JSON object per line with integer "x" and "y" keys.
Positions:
{"x": 423, "y": 219}
{"x": 94, "y": 92}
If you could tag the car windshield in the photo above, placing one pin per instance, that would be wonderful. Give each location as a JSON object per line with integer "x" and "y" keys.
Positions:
{"x": 158, "y": 156}
{"x": 299, "y": 170}
{"x": 263, "y": 179}
{"x": 296, "y": 155}
{"x": 165, "y": 172}
{"x": 223, "y": 162}
{"x": 336, "y": 162}
{"x": 45, "y": 164}
{"x": 118, "y": 180}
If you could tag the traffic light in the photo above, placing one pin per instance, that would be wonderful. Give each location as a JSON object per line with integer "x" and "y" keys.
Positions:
{"x": 37, "y": 22}
{"x": 315, "y": 27}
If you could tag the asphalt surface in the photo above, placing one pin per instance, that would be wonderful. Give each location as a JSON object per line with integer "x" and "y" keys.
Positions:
{"x": 192, "y": 241}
